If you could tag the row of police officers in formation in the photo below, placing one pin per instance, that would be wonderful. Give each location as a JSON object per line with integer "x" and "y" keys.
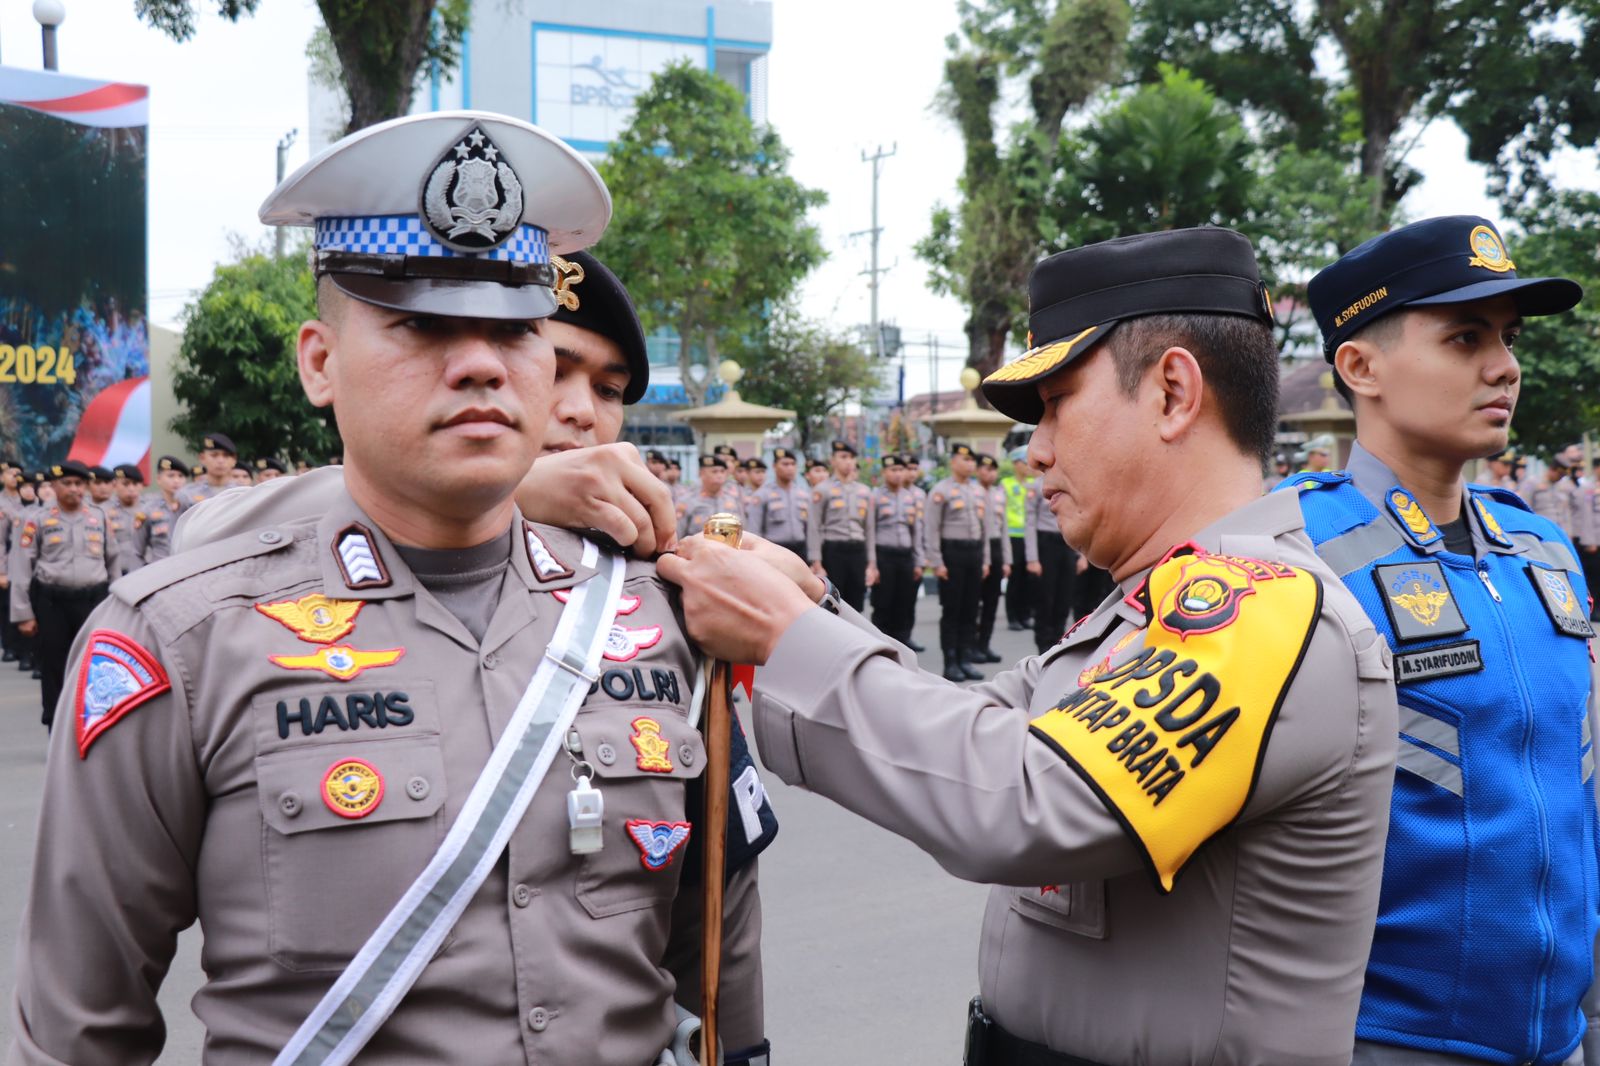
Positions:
{"x": 981, "y": 535}
{"x": 1313, "y": 784}
{"x": 70, "y": 529}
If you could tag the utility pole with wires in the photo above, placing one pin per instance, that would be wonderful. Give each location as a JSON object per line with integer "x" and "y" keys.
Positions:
{"x": 876, "y": 159}
{"x": 283, "y": 164}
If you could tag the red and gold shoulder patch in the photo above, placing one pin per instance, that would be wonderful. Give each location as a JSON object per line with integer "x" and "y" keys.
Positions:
{"x": 116, "y": 676}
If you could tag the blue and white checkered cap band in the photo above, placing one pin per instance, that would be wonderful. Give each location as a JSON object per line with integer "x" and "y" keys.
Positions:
{"x": 406, "y": 235}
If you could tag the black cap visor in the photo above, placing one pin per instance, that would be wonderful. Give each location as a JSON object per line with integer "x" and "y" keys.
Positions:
{"x": 1534, "y": 296}
{"x": 450, "y": 297}
{"x": 1013, "y": 390}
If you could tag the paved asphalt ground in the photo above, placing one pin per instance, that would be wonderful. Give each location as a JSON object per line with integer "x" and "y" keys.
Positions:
{"x": 870, "y": 948}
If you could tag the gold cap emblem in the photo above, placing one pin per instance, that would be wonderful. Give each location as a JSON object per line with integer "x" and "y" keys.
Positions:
{"x": 1489, "y": 251}
{"x": 568, "y": 276}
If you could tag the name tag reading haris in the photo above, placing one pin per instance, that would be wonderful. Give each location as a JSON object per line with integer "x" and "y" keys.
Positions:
{"x": 1171, "y": 740}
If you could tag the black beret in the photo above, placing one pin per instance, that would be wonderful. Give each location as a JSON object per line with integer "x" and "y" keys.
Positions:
{"x": 783, "y": 453}
{"x": 962, "y": 449}
{"x": 1077, "y": 297}
{"x": 891, "y": 462}
{"x": 985, "y": 460}
{"x": 816, "y": 464}
{"x": 709, "y": 461}
{"x": 726, "y": 450}
{"x": 1508, "y": 456}
{"x": 171, "y": 462}
{"x": 756, "y": 463}
{"x": 655, "y": 455}
{"x": 590, "y": 297}
{"x": 271, "y": 462}
{"x": 197, "y": 471}
{"x": 844, "y": 446}
{"x": 128, "y": 471}
{"x": 100, "y": 473}
{"x": 1450, "y": 260}
{"x": 70, "y": 468}
{"x": 218, "y": 441}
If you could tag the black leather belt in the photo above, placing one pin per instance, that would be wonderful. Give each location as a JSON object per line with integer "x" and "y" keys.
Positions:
{"x": 990, "y": 1045}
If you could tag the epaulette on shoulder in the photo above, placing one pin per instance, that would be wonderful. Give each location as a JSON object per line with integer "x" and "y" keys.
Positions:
{"x": 164, "y": 573}
{"x": 1501, "y": 495}
{"x": 1307, "y": 481}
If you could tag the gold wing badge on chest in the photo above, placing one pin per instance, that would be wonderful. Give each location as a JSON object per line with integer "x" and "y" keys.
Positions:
{"x": 318, "y": 619}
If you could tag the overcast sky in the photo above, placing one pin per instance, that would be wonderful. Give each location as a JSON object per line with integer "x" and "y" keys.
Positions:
{"x": 844, "y": 78}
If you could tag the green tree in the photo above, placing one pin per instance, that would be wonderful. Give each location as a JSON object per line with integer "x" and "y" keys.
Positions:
{"x": 982, "y": 250}
{"x": 808, "y": 368}
{"x": 236, "y": 368}
{"x": 381, "y": 47}
{"x": 1559, "y": 354}
{"x": 708, "y": 227}
{"x": 1518, "y": 79}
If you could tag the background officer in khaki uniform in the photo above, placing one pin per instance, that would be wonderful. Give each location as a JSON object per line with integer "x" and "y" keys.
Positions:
{"x": 957, "y": 533}
{"x": 65, "y": 558}
{"x": 11, "y": 506}
{"x": 334, "y": 713}
{"x": 782, "y": 506}
{"x": 1554, "y": 495}
{"x": 998, "y": 555}
{"x": 218, "y": 457}
{"x": 840, "y": 534}
{"x": 717, "y": 493}
{"x": 1182, "y": 805}
{"x": 100, "y": 485}
{"x": 123, "y": 515}
{"x": 897, "y": 516}
{"x": 1047, "y": 555}
{"x": 158, "y": 510}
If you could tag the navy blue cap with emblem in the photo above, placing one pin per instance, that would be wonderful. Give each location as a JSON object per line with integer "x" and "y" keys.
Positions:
{"x": 69, "y": 468}
{"x": 446, "y": 213}
{"x": 1076, "y": 299}
{"x": 1455, "y": 259}
{"x": 220, "y": 442}
{"x": 171, "y": 462}
{"x": 128, "y": 472}
{"x": 589, "y": 296}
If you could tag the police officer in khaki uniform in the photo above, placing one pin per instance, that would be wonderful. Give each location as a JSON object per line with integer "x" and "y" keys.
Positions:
{"x": 717, "y": 494}
{"x": 11, "y": 507}
{"x": 158, "y": 511}
{"x": 100, "y": 485}
{"x": 897, "y": 516}
{"x": 123, "y": 514}
{"x": 782, "y": 506}
{"x": 1052, "y": 561}
{"x": 65, "y": 558}
{"x": 998, "y": 554}
{"x": 218, "y": 457}
{"x": 1553, "y": 495}
{"x": 338, "y": 710}
{"x": 1182, "y": 805}
{"x": 840, "y": 534}
{"x": 958, "y": 530}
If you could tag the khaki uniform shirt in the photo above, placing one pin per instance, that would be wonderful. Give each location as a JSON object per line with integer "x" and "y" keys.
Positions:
{"x": 197, "y": 490}
{"x": 1558, "y": 502}
{"x": 994, "y": 519}
{"x": 208, "y": 801}
{"x": 780, "y": 514}
{"x": 694, "y": 510}
{"x": 124, "y": 524}
{"x": 68, "y": 549}
{"x": 1038, "y": 517}
{"x": 898, "y": 521}
{"x": 1256, "y": 956}
{"x": 956, "y": 511}
{"x": 153, "y": 538}
{"x": 840, "y": 511}
{"x": 11, "y": 508}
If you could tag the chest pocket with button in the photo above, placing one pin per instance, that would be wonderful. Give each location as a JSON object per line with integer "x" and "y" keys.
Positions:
{"x": 637, "y": 788}
{"x": 332, "y": 875}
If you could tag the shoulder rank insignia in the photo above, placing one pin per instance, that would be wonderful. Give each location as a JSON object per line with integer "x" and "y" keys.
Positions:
{"x": 546, "y": 567}
{"x": 116, "y": 676}
{"x": 1563, "y": 605}
{"x": 358, "y": 558}
{"x": 658, "y": 841}
{"x": 1413, "y": 519}
{"x": 352, "y": 788}
{"x": 1172, "y": 739}
{"x": 651, "y": 746}
{"x": 315, "y": 618}
{"x": 341, "y": 661}
{"x": 1417, "y": 598}
{"x": 1492, "y": 530}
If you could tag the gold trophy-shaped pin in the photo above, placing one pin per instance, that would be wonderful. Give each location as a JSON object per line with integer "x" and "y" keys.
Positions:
{"x": 725, "y": 527}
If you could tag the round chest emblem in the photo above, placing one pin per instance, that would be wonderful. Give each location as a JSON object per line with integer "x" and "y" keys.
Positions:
{"x": 352, "y": 788}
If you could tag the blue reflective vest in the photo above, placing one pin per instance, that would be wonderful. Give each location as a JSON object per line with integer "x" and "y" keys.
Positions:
{"x": 1487, "y": 917}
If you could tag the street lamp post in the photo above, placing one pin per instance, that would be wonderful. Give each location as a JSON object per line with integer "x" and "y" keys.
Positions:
{"x": 49, "y": 14}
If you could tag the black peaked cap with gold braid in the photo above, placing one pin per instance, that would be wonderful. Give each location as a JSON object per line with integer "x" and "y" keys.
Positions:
{"x": 1077, "y": 297}
{"x": 589, "y": 296}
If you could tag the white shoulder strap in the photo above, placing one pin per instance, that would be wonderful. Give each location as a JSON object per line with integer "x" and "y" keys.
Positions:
{"x": 392, "y": 959}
